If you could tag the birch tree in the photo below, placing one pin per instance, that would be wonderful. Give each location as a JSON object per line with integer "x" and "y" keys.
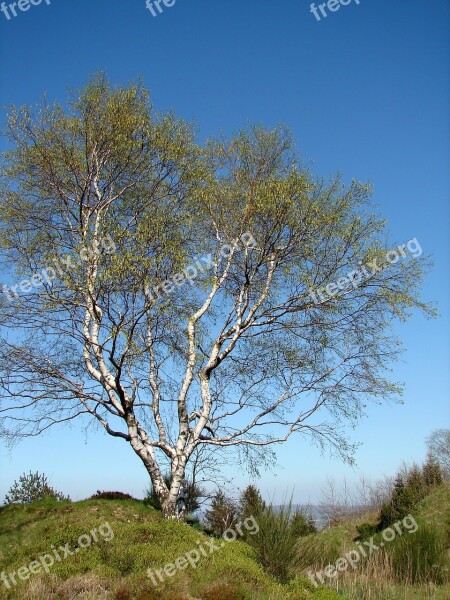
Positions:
{"x": 166, "y": 289}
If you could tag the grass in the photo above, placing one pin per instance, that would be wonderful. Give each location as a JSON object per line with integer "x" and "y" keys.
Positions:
{"x": 414, "y": 566}
{"x": 117, "y": 569}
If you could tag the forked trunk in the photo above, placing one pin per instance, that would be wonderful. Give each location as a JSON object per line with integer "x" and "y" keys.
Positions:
{"x": 169, "y": 498}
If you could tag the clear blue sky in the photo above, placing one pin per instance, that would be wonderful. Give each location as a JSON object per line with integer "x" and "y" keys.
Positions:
{"x": 365, "y": 91}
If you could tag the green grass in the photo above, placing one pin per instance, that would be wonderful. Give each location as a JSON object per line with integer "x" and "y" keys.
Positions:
{"x": 117, "y": 569}
{"x": 414, "y": 566}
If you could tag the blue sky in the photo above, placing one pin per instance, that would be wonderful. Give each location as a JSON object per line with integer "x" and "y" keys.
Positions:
{"x": 365, "y": 92}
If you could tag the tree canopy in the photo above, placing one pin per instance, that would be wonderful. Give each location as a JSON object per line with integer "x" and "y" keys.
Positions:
{"x": 170, "y": 290}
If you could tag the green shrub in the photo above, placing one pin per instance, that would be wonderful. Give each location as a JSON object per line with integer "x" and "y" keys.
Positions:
{"x": 275, "y": 544}
{"x": 432, "y": 473}
{"x": 224, "y": 591}
{"x": 32, "y": 488}
{"x": 421, "y": 558}
{"x": 401, "y": 503}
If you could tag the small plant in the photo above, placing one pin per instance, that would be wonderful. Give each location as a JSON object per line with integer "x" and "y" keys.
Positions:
{"x": 224, "y": 591}
{"x": 432, "y": 473}
{"x": 32, "y": 487}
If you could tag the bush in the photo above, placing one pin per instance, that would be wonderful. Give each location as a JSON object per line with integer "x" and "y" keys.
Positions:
{"x": 111, "y": 496}
{"x": 275, "y": 543}
{"x": 432, "y": 474}
{"x": 421, "y": 558}
{"x": 224, "y": 591}
{"x": 31, "y": 488}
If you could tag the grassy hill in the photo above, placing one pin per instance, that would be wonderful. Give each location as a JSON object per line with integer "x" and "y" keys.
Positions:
{"x": 413, "y": 566}
{"x": 123, "y": 540}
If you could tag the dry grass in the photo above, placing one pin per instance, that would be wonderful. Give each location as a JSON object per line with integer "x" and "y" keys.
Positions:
{"x": 92, "y": 587}
{"x": 85, "y": 587}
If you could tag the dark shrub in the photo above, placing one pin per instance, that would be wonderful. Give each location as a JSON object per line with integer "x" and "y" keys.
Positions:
{"x": 302, "y": 523}
{"x": 250, "y": 502}
{"x": 400, "y": 504}
{"x": 432, "y": 473}
{"x": 111, "y": 496}
{"x": 409, "y": 489}
{"x": 366, "y": 530}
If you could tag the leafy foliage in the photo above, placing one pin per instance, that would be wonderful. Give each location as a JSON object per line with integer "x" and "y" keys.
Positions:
{"x": 303, "y": 523}
{"x": 432, "y": 474}
{"x": 95, "y": 338}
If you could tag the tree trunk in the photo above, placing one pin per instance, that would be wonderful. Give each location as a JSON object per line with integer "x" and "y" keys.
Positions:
{"x": 169, "y": 508}
{"x": 168, "y": 498}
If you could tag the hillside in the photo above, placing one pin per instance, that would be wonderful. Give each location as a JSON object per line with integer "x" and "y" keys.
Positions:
{"x": 123, "y": 539}
{"x": 391, "y": 571}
